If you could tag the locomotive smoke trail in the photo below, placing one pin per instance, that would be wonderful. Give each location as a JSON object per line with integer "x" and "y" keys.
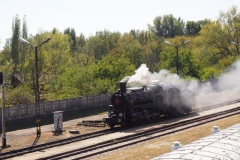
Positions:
{"x": 226, "y": 87}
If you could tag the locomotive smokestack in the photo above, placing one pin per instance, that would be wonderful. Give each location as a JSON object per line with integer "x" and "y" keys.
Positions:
{"x": 123, "y": 84}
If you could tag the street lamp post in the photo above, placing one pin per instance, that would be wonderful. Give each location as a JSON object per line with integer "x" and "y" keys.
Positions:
{"x": 177, "y": 47}
{"x": 37, "y": 93}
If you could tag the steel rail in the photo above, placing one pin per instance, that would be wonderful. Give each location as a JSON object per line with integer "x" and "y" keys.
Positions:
{"x": 110, "y": 145}
{"x": 39, "y": 147}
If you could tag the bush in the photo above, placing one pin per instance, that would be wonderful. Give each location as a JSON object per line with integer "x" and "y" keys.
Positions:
{"x": 20, "y": 95}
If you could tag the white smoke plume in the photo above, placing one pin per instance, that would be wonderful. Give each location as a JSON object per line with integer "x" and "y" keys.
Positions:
{"x": 225, "y": 88}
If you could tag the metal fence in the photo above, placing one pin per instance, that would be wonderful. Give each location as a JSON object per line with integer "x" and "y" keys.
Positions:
{"x": 46, "y": 108}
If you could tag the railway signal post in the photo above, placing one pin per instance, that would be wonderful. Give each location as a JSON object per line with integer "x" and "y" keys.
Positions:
{"x": 4, "y": 140}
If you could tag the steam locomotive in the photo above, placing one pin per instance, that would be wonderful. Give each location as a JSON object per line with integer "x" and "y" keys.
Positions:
{"x": 138, "y": 105}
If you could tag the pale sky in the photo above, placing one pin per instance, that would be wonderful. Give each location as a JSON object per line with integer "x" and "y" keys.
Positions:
{"x": 89, "y": 16}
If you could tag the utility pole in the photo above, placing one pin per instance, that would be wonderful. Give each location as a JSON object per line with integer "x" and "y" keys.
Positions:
{"x": 4, "y": 140}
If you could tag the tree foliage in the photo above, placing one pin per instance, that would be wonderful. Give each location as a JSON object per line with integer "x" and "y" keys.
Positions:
{"x": 73, "y": 65}
{"x": 192, "y": 28}
{"x": 73, "y": 39}
{"x": 15, "y": 41}
{"x": 217, "y": 51}
{"x": 168, "y": 26}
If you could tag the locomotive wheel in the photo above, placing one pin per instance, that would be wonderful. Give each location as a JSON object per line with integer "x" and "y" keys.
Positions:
{"x": 154, "y": 116}
{"x": 111, "y": 125}
{"x": 183, "y": 111}
{"x": 187, "y": 110}
{"x": 149, "y": 116}
{"x": 124, "y": 125}
{"x": 173, "y": 113}
{"x": 140, "y": 119}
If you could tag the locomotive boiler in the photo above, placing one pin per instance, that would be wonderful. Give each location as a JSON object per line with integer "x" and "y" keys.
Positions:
{"x": 138, "y": 105}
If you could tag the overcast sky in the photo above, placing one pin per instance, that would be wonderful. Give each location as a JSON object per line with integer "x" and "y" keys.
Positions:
{"x": 89, "y": 16}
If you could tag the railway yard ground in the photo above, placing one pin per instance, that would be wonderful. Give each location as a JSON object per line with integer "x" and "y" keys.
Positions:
{"x": 157, "y": 147}
{"x": 146, "y": 150}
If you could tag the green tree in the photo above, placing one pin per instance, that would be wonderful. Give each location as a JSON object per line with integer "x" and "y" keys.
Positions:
{"x": 81, "y": 41}
{"x": 20, "y": 95}
{"x": 55, "y": 58}
{"x": 15, "y": 41}
{"x": 192, "y": 28}
{"x": 112, "y": 68}
{"x": 131, "y": 49}
{"x": 6, "y": 52}
{"x": 216, "y": 42}
{"x": 151, "y": 54}
{"x": 24, "y": 28}
{"x": 157, "y": 27}
{"x": 179, "y": 56}
{"x": 167, "y": 26}
{"x": 179, "y": 27}
{"x": 143, "y": 37}
{"x": 231, "y": 23}
{"x": 73, "y": 39}
{"x": 23, "y": 49}
{"x": 100, "y": 44}
{"x": 107, "y": 41}
{"x": 134, "y": 33}
{"x": 215, "y": 50}
{"x": 189, "y": 65}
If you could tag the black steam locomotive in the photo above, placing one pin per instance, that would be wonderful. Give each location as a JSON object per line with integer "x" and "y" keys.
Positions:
{"x": 139, "y": 105}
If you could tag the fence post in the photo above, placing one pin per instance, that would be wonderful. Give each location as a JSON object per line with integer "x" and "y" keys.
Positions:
{"x": 51, "y": 104}
{"x": 67, "y": 104}
{"x": 95, "y": 100}
{"x": 18, "y": 110}
{"x": 27, "y": 109}
{"x": 87, "y": 102}
{"x": 59, "y": 103}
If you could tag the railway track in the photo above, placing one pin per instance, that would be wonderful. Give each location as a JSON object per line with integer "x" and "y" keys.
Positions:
{"x": 147, "y": 134}
{"x": 40, "y": 147}
{"x": 100, "y": 123}
{"x": 108, "y": 146}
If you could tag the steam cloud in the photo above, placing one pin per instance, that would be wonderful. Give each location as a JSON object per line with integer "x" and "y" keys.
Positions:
{"x": 225, "y": 88}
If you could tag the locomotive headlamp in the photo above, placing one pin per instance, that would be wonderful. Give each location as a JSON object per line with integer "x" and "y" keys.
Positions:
{"x": 120, "y": 114}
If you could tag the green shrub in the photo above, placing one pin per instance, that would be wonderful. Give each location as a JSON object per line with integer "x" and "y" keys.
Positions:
{"x": 20, "y": 95}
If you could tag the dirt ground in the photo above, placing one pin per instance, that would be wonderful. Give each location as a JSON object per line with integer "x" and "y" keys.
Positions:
{"x": 144, "y": 151}
{"x": 27, "y": 137}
